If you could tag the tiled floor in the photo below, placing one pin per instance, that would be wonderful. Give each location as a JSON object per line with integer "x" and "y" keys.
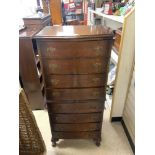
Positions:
{"x": 114, "y": 140}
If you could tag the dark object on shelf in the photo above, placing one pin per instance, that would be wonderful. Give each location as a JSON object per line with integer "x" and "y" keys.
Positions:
{"x": 75, "y": 68}
{"x": 63, "y": 13}
{"x": 93, "y": 6}
{"x": 109, "y": 90}
{"x": 98, "y": 21}
{"x": 74, "y": 10}
{"x": 39, "y": 9}
{"x": 118, "y": 1}
{"x": 72, "y": 22}
{"x": 108, "y": 8}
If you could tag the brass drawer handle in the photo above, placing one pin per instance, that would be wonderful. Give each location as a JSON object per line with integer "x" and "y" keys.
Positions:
{"x": 53, "y": 66}
{"x": 56, "y": 94}
{"x": 50, "y": 49}
{"x": 96, "y": 80}
{"x": 99, "y": 50}
{"x": 96, "y": 93}
{"x": 54, "y": 82}
{"x": 97, "y": 65}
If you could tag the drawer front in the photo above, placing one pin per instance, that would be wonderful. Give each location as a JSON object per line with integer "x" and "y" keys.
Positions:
{"x": 75, "y": 66}
{"x": 76, "y": 135}
{"x": 72, "y": 108}
{"x": 75, "y": 94}
{"x": 79, "y": 49}
{"x": 76, "y": 118}
{"x": 77, "y": 127}
{"x": 75, "y": 81}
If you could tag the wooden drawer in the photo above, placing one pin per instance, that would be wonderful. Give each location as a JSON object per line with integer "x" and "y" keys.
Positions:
{"x": 76, "y": 135}
{"x": 75, "y": 94}
{"x": 76, "y": 118}
{"x": 75, "y": 66}
{"x": 77, "y": 107}
{"x": 72, "y": 49}
{"x": 77, "y": 127}
{"x": 75, "y": 81}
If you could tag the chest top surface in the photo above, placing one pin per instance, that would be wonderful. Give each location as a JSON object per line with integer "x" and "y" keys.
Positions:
{"x": 37, "y": 17}
{"x": 78, "y": 31}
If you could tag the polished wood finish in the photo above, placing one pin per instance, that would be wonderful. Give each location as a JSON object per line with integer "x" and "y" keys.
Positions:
{"x": 76, "y": 118}
{"x": 73, "y": 32}
{"x": 36, "y": 22}
{"x": 75, "y": 94}
{"x": 75, "y": 65}
{"x": 77, "y": 127}
{"x": 29, "y": 61}
{"x": 28, "y": 69}
{"x": 77, "y": 135}
{"x": 70, "y": 81}
{"x": 78, "y": 107}
{"x": 87, "y": 49}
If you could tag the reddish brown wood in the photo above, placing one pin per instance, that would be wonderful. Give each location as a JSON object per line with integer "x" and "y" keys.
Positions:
{"x": 36, "y": 22}
{"x": 76, "y": 32}
{"x": 28, "y": 70}
{"x": 76, "y": 118}
{"x": 75, "y": 81}
{"x": 77, "y": 127}
{"x": 78, "y": 107}
{"x": 79, "y": 49}
{"x": 75, "y": 65}
{"x": 77, "y": 135}
{"x": 75, "y": 94}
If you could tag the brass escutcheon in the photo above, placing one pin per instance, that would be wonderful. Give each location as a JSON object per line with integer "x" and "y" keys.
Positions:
{"x": 98, "y": 50}
{"x": 96, "y": 93}
{"x": 97, "y": 65}
{"x": 54, "y": 81}
{"x": 56, "y": 94}
{"x": 95, "y": 80}
{"x": 53, "y": 66}
{"x": 50, "y": 49}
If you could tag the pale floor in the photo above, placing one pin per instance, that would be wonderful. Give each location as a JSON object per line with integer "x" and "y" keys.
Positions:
{"x": 114, "y": 140}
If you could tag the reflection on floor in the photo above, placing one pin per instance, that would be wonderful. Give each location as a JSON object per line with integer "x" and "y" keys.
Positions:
{"x": 114, "y": 140}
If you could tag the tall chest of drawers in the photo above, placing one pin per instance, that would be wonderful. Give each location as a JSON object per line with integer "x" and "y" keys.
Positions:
{"x": 75, "y": 62}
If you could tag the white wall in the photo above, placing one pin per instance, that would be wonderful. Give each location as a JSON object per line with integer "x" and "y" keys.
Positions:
{"x": 26, "y": 8}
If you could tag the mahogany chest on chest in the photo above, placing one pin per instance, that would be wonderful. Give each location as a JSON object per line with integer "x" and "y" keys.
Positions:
{"x": 75, "y": 62}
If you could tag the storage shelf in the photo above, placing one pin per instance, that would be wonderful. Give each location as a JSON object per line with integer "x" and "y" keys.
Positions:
{"x": 119, "y": 19}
